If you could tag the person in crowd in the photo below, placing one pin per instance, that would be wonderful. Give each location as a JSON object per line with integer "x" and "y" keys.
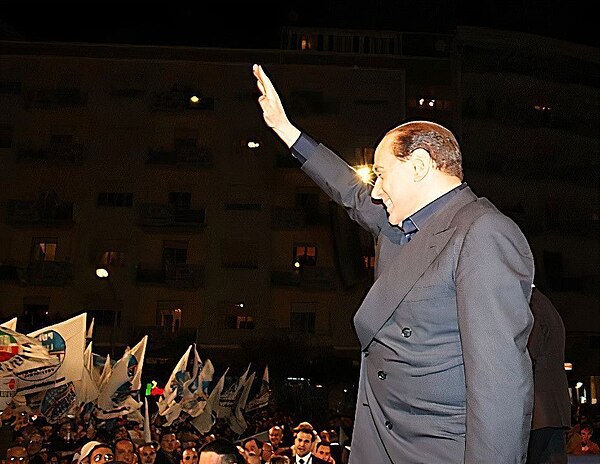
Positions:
{"x": 125, "y": 450}
{"x": 581, "y": 442}
{"x": 147, "y": 452}
{"x": 167, "y": 452}
{"x": 303, "y": 444}
{"x": 276, "y": 440}
{"x": 279, "y": 460}
{"x": 323, "y": 451}
{"x": 34, "y": 447}
{"x": 189, "y": 455}
{"x": 449, "y": 306}
{"x": 551, "y": 401}
{"x": 220, "y": 451}
{"x": 266, "y": 451}
{"x": 95, "y": 452}
{"x": 17, "y": 454}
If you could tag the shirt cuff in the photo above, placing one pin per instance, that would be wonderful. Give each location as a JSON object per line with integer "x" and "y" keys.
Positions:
{"x": 304, "y": 147}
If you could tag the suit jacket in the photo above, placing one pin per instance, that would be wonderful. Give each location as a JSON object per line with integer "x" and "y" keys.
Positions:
{"x": 445, "y": 372}
{"x": 551, "y": 404}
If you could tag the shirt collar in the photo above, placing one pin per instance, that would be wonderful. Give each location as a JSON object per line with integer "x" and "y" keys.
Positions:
{"x": 416, "y": 221}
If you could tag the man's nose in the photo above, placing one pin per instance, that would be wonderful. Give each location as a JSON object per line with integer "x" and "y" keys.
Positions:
{"x": 376, "y": 192}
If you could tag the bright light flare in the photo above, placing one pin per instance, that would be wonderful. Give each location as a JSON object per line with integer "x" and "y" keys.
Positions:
{"x": 365, "y": 173}
{"x": 194, "y": 99}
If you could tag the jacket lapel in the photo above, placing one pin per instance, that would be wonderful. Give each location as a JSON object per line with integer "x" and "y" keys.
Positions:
{"x": 407, "y": 266}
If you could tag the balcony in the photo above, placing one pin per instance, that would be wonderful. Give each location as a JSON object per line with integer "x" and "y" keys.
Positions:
{"x": 170, "y": 275}
{"x": 188, "y": 157}
{"x": 39, "y": 214}
{"x": 307, "y": 278}
{"x": 155, "y": 217}
{"x": 49, "y": 273}
{"x": 57, "y": 153}
{"x": 11, "y": 273}
{"x": 164, "y": 343}
{"x": 51, "y": 99}
{"x": 283, "y": 218}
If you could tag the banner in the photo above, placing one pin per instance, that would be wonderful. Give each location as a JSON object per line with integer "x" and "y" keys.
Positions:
{"x": 204, "y": 422}
{"x": 65, "y": 342}
{"x": 20, "y": 354}
{"x": 263, "y": 396}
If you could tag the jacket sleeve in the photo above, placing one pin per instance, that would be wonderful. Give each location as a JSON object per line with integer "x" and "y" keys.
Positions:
{"x": 493, "y": 281}
{"x": 340, "y": 182}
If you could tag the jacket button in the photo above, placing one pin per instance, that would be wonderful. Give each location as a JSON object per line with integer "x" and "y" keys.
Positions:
{"x": 389, "y": 425}
{"x": 382, "y": 375}
{"x": 366, "y": 353}
{"x": 406, "y": 332}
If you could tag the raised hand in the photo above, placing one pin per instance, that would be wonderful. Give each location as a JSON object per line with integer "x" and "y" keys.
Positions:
{"x": 273, "y": 112}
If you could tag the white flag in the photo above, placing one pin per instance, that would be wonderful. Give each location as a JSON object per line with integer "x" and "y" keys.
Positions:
{"x": 204, "y": 422}
{"x": 64, "y": 341}
{"x": 236, "y": 420}
{"x": 12, "y": 324}
{"x": 263, "y": 396}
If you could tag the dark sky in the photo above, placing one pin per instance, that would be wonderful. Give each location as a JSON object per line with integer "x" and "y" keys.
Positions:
{"x": 258, "y": 24}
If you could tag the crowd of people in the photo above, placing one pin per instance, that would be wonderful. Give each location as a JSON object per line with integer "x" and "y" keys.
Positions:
{"x": 84, "y": 439}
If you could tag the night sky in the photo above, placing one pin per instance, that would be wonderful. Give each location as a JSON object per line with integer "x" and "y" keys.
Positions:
{"x": 258, "y": 24}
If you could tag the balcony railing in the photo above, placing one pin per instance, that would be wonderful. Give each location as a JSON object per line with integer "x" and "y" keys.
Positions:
{"x": 171, "y": 275}
{"x": 49, "y": 273}
{"x": 310, "y": 278}
{"x": 56, "y": 153}
{"x": 24, "y": 213}
{"x": 153, "y": 216}
{"x": 188, "y": 157}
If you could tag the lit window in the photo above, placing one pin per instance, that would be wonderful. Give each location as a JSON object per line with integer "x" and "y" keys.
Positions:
{"x": 44, "y": 249}
{"x": 305, "y": 255}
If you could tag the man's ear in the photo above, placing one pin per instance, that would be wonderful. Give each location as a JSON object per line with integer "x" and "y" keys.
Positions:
{"x": 421, "y": 164}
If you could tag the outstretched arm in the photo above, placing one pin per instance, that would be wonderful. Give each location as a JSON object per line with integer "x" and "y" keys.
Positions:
{"x": 273, "y": 112}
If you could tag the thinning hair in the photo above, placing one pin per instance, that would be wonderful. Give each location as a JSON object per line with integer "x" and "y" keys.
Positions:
{"x": 438, "y": 141}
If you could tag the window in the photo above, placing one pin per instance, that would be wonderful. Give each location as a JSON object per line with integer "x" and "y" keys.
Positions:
{"x": 240, "y": 322}
{"x": 115, "y": 199}
{"x": 302, "y": 317}
{"x": 237, "y": 315}
{"x": 305, "y": 255}
{"x": 369, "y": 261}
{"x": 44, "y": 249}
{"x": 168, "y": 315}
{"x": 112, "y": 258}
{"x": 175, "y": 252}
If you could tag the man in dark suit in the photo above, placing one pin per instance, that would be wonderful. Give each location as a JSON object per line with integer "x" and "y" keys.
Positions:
{"x": 551, "y": 402}
{"x": 445, "y": 372}
{"x": 303, "y": 444}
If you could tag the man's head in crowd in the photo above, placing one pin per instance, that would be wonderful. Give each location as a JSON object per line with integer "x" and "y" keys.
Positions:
{"x": 168, "y": 442}
{"x": 266, "y": 451}
{"x": 124, "y": 450}
{"x": 304, "y": 441}
{"x": 100, "y": 454}
{"x": 189, "y": 455}
{"x": 275, "y": 436}
{"x": 147, "y": 453}
{"x": 252, "y": 445}
{"x": 323, "y": 450}
{"x": 17, "y": 454}
{"x": 220, "y": 451}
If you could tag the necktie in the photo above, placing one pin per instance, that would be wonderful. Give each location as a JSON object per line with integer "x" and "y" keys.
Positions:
{"x": 300, "y": 461}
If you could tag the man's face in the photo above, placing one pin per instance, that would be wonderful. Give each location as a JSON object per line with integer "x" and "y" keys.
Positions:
{"x": 275, "y": 436}
{"x": 101, "y": 455}
{"x": 303, "y": 443}
{"x": 586, "y": 435}
{"x": 324, "y": 452}
{"x": 189, "y": 456}
{"x": 17, "y": 455}
{"x": 395, "y": 184}
{"x": 147, "y": 454}
{"x": 168, "y": 442}
{"x": 267, "y": 451}
{"x": 251, "y": 446}
{"x": 124, "y": 451}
